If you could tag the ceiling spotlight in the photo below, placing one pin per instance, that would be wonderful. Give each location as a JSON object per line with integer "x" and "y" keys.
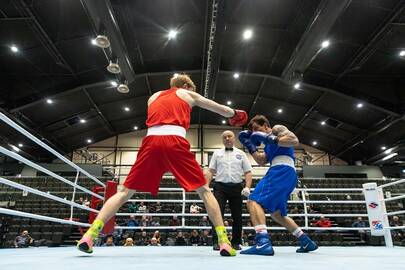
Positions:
{"x": 403, "y": 170}
{"x": 402, "y": 53}
{"x": 383, "y": 147}
{"x": 224, "y": 122}
{"x": 93, "y": 42}
{"x": 113, "y": 83}
{"x": 14, "y": 48}
{"x": 127, "y": 109}
{"x": 323, "y": 123}
{"x": 83, "y": 121}
{"x": 247, "y": 34}
{"x": 236, "y": 75}
{"x": 176, "y": 75}
{"x": 280, "y": 110}
{"x": 325, "y": 44}
{"x": 15, "y": 148}
{"x": 113, "y": 68}
{"x": 229, "y": 102}
{"x": 297, "y": 86}
{"x": 102, "y": 41}
{"x": 314, "y": 143}
{"x": 89, "y": 141}
{"x": 359, "y": 105}
{"x": 136, "y": 127}
{"x": 20, "y": 145}
{"x": 123, "y": 88}
{"x": 172, "y": 34}
{"x": 49, "y": 101}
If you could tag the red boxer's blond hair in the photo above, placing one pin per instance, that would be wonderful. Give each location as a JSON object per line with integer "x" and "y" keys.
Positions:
{"x": 181, "y": 80}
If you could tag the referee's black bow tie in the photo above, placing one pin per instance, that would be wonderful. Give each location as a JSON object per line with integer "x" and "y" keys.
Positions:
{"x": 229, "y": 149}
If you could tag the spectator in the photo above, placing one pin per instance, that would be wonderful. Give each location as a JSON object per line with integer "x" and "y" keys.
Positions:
{"x": 109, "y": 242}
{"x": 395, "y": 222}
{"x": 23, "y": 240}
{"x": 205, "y": 238}
{"x": 204, "y": 222}
{"x": 174, "y": 222}
{"x": 158, "y": 207}
{"x": 133, "y": 207}
{"x": 117, "y": 233}
{"x": 86, "y": 202}
{"x": 154, "y": 222}
{"x": 154, "y": 242}
{"x": 143, "y": 239}
{"x": 195, "y": 209}
{"x": 80, "y": 201}
{"x": 129, "y": 242}
{"x": 359, "y": 223}
{"x": 142, "y": 208}
{"x": 180, "y": 240}
{"x": 194, "y": 238}
{"x": 156, "y": 235}
{"x": 323, "y": 222}
{"x": 132, "y": 222}
{"x": 144, "y": 221}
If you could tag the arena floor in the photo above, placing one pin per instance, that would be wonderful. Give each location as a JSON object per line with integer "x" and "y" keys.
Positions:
{"x": 177, "y": 258}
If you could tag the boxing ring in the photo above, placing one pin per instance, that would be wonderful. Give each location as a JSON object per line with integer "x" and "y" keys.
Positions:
{"x": 191, "y": 257}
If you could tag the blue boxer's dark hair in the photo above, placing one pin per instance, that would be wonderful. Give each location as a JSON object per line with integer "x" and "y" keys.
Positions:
{"x": 259, "y": 120}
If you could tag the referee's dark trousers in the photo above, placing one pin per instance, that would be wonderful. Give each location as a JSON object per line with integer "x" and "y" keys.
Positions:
{"x": 230, "y": 192}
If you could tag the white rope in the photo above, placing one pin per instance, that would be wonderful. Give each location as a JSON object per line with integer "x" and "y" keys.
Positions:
{"x": 40, "y": 217}
{"x": 292, "y": 202}
{"x": 396, "y": 213}
{"x": 392, "y": 183}
{"x": 44, "y": 194}
{"x": 14, "y": 125}
{"x": 42, "y": 169}
{"x": 229, "y": 215}
{"x": 394, "y": 198}
{"x": 396, "y": 228}
{"x": 244, "y": 228}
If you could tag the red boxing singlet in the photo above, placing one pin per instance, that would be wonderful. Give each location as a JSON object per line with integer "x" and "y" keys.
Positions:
{"x": 169, "y": 109}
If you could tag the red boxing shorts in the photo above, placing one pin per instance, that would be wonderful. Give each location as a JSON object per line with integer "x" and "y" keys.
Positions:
{"x": 160, "y": 154}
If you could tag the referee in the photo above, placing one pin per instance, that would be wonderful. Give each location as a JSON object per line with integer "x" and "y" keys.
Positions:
{"x": 229, "y": 164}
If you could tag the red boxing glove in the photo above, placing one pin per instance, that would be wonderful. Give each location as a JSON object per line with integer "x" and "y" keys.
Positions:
{"x": 239, "y": 118}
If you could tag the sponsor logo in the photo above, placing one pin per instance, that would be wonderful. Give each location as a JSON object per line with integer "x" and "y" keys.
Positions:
{"x": 377, "y": 224}
{"x": 370, "y": 189}
{"x": 238, "y": 156}
{"x": 373, "y": 205}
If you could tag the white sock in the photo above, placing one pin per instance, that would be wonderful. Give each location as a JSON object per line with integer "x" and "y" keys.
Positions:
{"x": 298, "y": 232}
{"x": 261, "y": 228}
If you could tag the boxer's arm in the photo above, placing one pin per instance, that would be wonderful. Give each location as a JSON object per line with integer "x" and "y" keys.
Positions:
{"x": 205, "y": 103}
{"x": 285, "y": 137}
{"x": 260, "y": 158}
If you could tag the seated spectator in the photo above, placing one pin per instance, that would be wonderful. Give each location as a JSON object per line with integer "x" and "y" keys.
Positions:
{"x": 204, "y": 222}
{"x": 180, "y": 240}
{"x": 133, "y": 207}
{"x": 129, "y": 242}
{"x": 23, "y": 240}
{"x": 144, "y": 221}
{"x": 132, "y": 222}
{"x": 86, "y": 202}
{"x": 323, "y": 223}
{"x": 195, "y": 209}
{"x": 174, "y": 222}
{"x": 142, "y": 208}
{"x": 109, "y": 242}
{"x": 154, "y": 222}
{"x": 158, "y": 207}
{"x": 205, "y": 238}
{"x": 194, "y": 238}
{"x": 117, "y": 233}
{"x": 395, "y": 222}
{"x": 143, "y": 239}
{"x": 156, "y": 235}
{"x": 360, "y": 223}
{"x": 154, "y": 242}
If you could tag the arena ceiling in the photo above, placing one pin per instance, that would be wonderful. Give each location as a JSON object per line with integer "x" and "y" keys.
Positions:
{"x": 347, "y": 56}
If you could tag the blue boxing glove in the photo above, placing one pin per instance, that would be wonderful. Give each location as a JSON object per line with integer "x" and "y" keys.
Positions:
{"x": 260, "y": 137}
{"x": 244, "y": 138}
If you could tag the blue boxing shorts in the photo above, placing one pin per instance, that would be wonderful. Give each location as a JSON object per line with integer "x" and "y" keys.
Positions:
{"x": 273, "y": 191}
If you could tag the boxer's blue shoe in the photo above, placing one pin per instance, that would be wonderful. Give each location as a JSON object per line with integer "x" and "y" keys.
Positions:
{"x": 263, "y": 246}
{"x": 306, "y": 244}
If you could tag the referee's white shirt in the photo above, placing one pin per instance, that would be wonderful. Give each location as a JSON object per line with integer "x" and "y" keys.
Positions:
{"x": 229, "y": 165}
